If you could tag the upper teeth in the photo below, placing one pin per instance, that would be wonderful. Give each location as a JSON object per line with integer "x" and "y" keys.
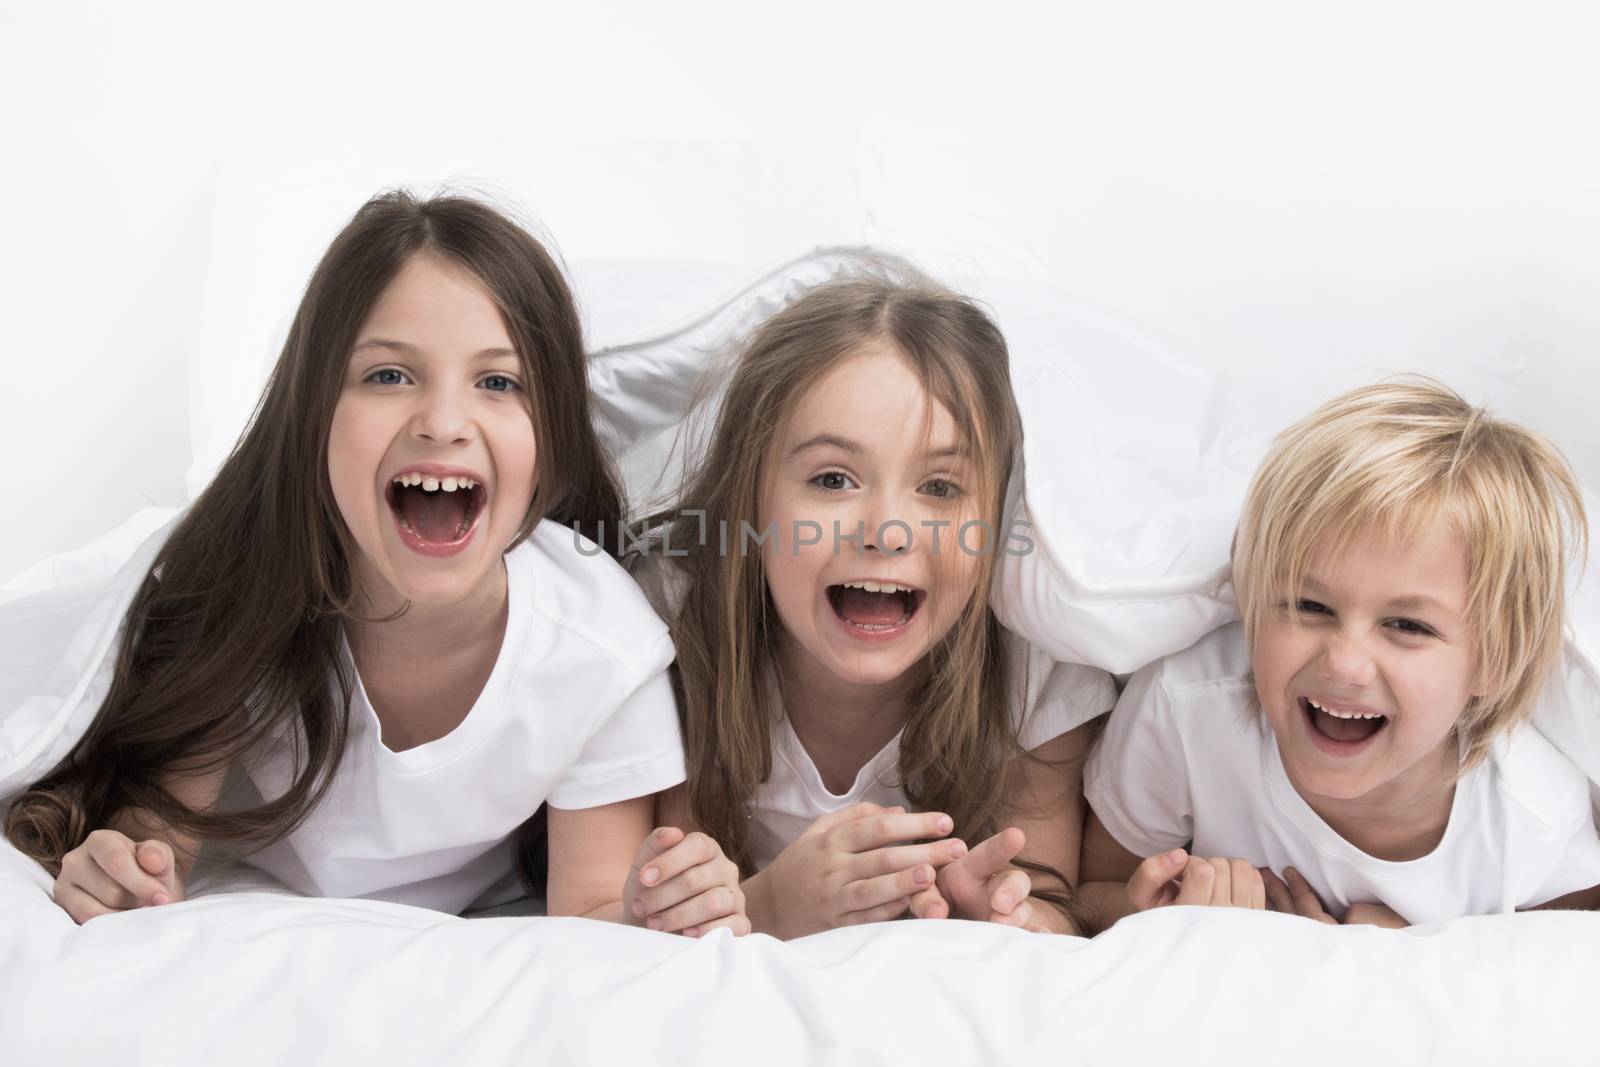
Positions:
{"x": 879, "y": 587}
{"x": 431, "y": 484}
{"x": 1343, "y": 714}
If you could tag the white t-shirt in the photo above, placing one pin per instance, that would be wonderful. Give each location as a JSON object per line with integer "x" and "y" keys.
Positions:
{"x": 1567, "y": 712}
{"x": 1186, "y": 758}
{"x": 578, "y": 711}
{"x": 1052, "y": 699}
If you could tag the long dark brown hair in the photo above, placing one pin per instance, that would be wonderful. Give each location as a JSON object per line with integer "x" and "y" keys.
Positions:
{"x": 233, "y": 639}
{"x": 958, "y": 748}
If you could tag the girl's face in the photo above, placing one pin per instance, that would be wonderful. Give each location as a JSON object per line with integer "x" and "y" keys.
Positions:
{"x": 431, "y": 452}
{"x": 1364, "y": 676}
{"x": 868, "y": 603}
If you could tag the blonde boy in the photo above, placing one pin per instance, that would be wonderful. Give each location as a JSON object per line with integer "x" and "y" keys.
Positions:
{"x": 1399, "y": 568}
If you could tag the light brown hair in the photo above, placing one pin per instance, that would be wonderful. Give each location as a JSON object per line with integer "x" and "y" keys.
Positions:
{"x": 958, "y": 746}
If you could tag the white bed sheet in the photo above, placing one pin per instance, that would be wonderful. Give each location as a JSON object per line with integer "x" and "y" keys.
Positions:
{"x": 260, "y": 978}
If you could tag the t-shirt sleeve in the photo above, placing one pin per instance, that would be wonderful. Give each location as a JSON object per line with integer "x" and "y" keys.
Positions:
{"x": 1137, "y": 780}
{"x": 1576, "y": 866}
{"x": 637, "y": 748}
{"x": 1063, "y": 696}
{"x": 1551, "y": 823}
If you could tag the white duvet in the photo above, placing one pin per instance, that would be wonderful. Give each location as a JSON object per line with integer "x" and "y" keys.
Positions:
{"x": 262, "y": 978}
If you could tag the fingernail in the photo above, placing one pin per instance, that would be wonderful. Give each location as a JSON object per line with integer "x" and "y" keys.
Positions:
{"x": 693, "y": 931}
{"x": 654, "y": 922}
{"x": 1002, "y": 902}
{"x": 1173, "y": 858}
{"x": 649, "y": 875}
{"x": 945, "y": 825}
{"x": 920, "y": 876}
{"x": 161, "y": 898}
{"x": 638, "y": 909}
{"x": 958, "y": 849}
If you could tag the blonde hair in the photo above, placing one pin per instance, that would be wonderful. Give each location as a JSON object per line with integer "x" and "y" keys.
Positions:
{"x": 1393, "y": 458}
{"x": 957, "y": 746}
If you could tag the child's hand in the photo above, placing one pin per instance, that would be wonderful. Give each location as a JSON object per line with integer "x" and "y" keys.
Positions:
{"x": 1296, "y": 897}
{"x": 111, "y": 872}
{"x": 681, "y": 884}
{"x": 1176, "y": 877}
{"x": 982, "y": 886}
{"x": 854, "y": 866}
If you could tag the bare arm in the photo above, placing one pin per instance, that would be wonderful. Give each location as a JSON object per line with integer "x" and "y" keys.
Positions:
{"x": 591, "y": 851}
{"x": 1106, "y": 868}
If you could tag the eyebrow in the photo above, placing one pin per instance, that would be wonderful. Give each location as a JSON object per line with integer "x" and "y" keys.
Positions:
{"x": 412, "y": 350}
{"x": 844, "y": 444}
{"x": 1409, "y": 602}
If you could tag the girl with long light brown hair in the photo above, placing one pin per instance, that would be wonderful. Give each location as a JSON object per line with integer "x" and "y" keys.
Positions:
{"x": 863, "y": 737}
{"x": 383, "y": 614}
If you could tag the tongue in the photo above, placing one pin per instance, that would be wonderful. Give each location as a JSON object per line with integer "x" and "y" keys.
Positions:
{"x": 871, "y": 609}
{"x": 436, "y": 516}
{"x": 1346, "y": 729}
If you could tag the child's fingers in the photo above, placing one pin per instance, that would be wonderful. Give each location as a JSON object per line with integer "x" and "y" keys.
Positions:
{"x": 1008, "y": 889}
{"x": 739, "y": 924}
{"x": 904, "y": 857}
{"x": 1198, "y": 882}
{"x": 1019, "y": 916}
{"x": 882, "y": 913}
{"x": 1248, "y": 891}
{"x": 156, "y": 859}
{"x": 843, "y": 816}
{"x": 1365, "y": 914}
{"x": 1305, "y": 898}
{"x": 995, "y": 854}
{"x": 80, "y": 905}
{"x": 655, "y": 843}
{"x": 1278, "y": 898}
{"x": 868, "y": 893}
{"x": 680, "y": 887}
{"x": 1150, "y": 886}
{"x": 930, "y": 904}
{"x": 688, "y": 852}
{"x": 91, "y": 880}
{"x": 716, "y": 903}
{"x": 876, "y": 831}
{"x": 115, "y": 855}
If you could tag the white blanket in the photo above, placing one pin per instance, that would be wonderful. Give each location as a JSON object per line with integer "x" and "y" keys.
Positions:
{"x": 261, "y": 978}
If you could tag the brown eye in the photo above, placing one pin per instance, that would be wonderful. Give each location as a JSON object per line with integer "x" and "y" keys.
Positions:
{"x": 832, "y": 481}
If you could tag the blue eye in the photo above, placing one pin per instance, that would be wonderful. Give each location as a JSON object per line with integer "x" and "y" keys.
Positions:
{"x": 500, "y": 383}
{"x": 386, "y": 376}
{"x": 832, "y": 481}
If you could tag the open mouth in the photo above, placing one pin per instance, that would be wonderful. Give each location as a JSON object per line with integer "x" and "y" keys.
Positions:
{"x": 875, "y": 607}
{"x": 435, "y": 513}
{"x": 1347, "y": 728}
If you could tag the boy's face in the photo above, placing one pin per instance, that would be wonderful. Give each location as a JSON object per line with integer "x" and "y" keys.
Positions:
{"x": 1363, "y": 677}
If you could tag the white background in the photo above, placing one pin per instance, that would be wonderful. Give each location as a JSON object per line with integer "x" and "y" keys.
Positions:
{"x": 1252, "y": 185}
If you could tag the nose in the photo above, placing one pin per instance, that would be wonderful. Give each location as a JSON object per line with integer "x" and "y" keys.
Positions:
{"x": 886, "y": 530}
{"x": 1345, "y": 661}
{"x": 441, "y": 416}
